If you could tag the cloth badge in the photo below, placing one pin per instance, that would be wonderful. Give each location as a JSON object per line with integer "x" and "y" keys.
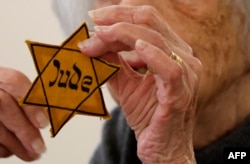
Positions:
{"x": 68, "y": 81}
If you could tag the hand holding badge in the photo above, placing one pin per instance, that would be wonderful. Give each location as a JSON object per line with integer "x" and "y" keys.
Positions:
{"x": 68, "y": 81}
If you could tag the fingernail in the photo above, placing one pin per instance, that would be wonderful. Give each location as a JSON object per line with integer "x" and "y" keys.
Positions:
{"x": 38, "y": 146}
{"x": 101, "y": 28}
{"x": 91, "y": 33}
{"x": 85, "y": 44}
{"x": 140, "y": 44}
{"x": 42, "y": 119}
{"x": 91, "y": 13}
{"x": 34, "y": 156}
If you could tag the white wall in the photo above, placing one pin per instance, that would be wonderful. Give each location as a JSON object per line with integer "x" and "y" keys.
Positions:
{"x": 34, "y": 20}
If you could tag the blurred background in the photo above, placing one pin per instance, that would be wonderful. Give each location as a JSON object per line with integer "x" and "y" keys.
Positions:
{"x": 35, "y": 20}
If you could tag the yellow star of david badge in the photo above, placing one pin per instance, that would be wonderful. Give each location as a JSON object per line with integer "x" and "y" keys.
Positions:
{"x": 68, "y": 81}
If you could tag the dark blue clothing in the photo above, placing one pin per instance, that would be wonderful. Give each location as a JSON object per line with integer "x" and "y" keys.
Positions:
{"x": 118, "y": 144}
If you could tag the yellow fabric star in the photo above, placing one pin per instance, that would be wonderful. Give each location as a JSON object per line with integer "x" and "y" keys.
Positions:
{"x": 68, "y": 81}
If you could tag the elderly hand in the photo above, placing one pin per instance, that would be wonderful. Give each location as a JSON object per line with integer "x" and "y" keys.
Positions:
{"x": 160, "y": 104}
{"x": 19, "y": 126}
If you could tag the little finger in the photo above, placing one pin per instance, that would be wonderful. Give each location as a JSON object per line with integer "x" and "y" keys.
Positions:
{"x": 4, "y": 152}
{"x": 15, "y": 120}
{"x": 11, "y": 145}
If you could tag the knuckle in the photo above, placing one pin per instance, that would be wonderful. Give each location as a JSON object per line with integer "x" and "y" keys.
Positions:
{"x": 14, "y": 77}
{"x": 198, "y": 66}
{"x": 188, "y": 47}
{"x": 149, "y": 10}
{"x": 175, "y": 74}
{"x": 11, "y": 74}
{"x": 114, "y": 33}
{"x": 146, "y": 13}
{"x": 14, "y": 81}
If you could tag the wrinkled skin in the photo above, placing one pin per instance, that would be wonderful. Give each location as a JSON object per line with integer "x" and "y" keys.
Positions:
{"x": 170, "y": 109}
{"x": 150, "y": 101}
{"x": 19, "y": 126}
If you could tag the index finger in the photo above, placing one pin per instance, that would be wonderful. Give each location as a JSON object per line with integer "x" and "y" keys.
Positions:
{"x": 146, "y": 15}
{"x": 131, "y": 14}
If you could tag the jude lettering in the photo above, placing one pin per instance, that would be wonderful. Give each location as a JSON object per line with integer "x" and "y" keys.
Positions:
{"x": 70, "y": 81}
